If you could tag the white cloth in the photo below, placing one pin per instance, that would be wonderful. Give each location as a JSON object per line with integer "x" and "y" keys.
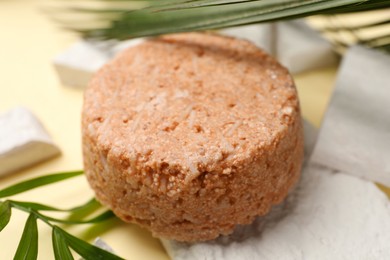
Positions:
{"x": 331, "y": 214}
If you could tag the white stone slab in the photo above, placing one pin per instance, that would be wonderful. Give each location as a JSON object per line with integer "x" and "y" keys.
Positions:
{"x": 294, "y": 44}
{"x": 23, "y": 141}
{"x": 355, "y": 133}
{"x": 300, "y": 48}
{"x": 263, "y": 35}
{"x": 76, "y": 65}
{"x": 332, "y": 214}
{"x": 329, "y": 216}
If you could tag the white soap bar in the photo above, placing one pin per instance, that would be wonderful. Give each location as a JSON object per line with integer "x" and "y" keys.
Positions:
{"x": 355, "y": 133}
{"x": 76, "y": 65}
{"x": 329, "y": 216}
{"x": 300, "y": 48}
{"x": 23, "y": 141}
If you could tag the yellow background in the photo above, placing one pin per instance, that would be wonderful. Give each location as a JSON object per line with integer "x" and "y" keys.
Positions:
{"x": 28, "y": 43}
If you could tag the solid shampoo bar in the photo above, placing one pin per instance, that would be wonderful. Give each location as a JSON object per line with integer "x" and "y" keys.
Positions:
{"x": 191, "y": 134}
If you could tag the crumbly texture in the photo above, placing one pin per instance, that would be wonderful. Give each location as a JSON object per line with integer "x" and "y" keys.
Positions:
{"x": 191, "y": 134}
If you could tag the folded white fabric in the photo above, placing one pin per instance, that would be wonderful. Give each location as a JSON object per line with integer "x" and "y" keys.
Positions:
{"x": 23, "y": 141}
{"x": 331, "y": 214}
{"x": 355, "y": 133}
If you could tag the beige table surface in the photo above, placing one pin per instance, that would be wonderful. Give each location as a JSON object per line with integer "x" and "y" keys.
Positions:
{"x": 28, "y": 42}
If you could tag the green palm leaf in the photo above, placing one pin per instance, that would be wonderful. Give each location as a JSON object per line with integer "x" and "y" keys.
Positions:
{"x": 5, "y": 214}
{"x": 37, "y": 182}
{"x": 61, "y": 241}
{"x": 168, "y": 16}
{"x": 60, "y": 247}
{"x": 101, "y": 217}
{"x": 84, "y": 249}
{"x": 90, "y": 204}
{"x": 28, "y": 245}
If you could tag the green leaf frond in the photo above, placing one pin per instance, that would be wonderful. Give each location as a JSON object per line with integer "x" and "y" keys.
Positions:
{"x": 168, "y": 16}
{"x": 61, "y": 240}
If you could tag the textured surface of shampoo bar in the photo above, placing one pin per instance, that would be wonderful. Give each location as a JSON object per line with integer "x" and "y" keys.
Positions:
{"x": 189, "y": 135}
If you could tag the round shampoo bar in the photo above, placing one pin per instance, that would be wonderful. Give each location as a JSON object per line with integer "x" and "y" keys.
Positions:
{"x": 191, "y": 134}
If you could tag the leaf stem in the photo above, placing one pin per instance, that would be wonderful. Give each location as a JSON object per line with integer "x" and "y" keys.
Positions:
{"x": 38, "y": 215}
